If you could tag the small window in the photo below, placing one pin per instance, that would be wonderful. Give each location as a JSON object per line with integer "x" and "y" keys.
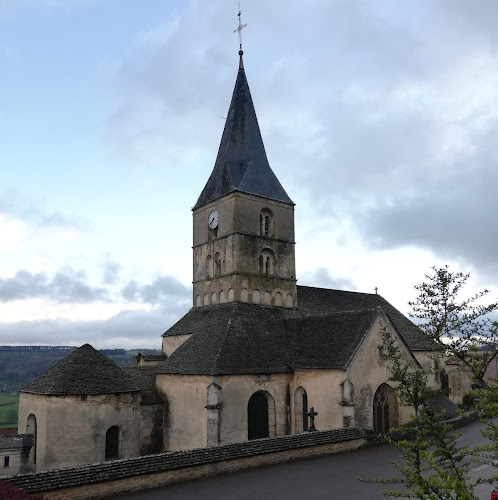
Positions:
{"x": 266, "y": 223}
{"x": 266, "y": 262}
{"x": 216, "y": 264}
{"x": 6, "y": 461}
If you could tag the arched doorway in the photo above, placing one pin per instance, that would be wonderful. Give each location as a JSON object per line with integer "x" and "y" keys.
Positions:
{"x": 112, "y": 443}
{"x": 385, "y": 409}
{"x": 300, "y": 410}
{"x": 257, "y": 416}
{"x": 31, "y": 429}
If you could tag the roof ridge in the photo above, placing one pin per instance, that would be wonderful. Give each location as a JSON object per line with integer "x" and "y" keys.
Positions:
{"x": 222, "y": 344}
{"x": 333, "y": 313}
{"x": 338, "y": 290}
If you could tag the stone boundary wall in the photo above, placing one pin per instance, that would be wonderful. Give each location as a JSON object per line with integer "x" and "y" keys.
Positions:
{"x": 152, "y": 471}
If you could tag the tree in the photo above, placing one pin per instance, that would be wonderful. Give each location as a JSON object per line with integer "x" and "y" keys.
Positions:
{"x": 459, "y": 327}
{"x": 434, "y": 466}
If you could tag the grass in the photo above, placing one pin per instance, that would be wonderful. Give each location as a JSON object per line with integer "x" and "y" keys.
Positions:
{"x": 9, "y": 405}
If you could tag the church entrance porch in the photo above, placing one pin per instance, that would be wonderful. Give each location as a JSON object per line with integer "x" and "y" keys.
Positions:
{"x": 385, "y": 409}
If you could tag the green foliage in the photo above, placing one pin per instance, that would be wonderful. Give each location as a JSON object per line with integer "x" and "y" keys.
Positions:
{"x": 468, "y": 400}
{"x": 459, "y": 327}
{"x": 8, "y": 410}
{"x": 434, "y": 467}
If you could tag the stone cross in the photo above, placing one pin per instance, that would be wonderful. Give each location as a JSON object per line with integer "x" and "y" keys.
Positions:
{"x": 312, "y": 414}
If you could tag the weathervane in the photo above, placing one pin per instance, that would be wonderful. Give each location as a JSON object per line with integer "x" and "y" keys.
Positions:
{"x": 239, "y": 29}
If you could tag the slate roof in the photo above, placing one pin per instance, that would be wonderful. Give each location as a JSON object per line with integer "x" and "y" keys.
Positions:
{"x": 312, "y": 300}
{"x": 322, "y": 333}
{"x": 440, "y": 403}
{"x": 83, "y": 371}
{"x": 328, "y": 341}
{"x": 145, "y": 378}
{"x": 241, "y": 164}
{"x": 230, "y": 338}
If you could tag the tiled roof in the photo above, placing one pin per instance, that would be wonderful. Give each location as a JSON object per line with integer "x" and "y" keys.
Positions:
{"x": 84, "y": 371}
{"x": 230, "y": 338}
{"x": 323, "y": 332}
{"x": 241, "y": 164}
{"x": 145, "y": 378}
{"x": 440, "y": 403}
{"x": 328, "y": 341}
{"x": 113, "y": 470}
{"x": 313, "y": 300}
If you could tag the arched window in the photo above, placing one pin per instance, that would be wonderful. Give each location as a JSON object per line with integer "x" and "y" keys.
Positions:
{"x": 31, "y": 429}
{"x": 216, "y": 265}
{"x": 266, "y": 223}
{"x": 385, "y": 409}
{"x": 267, "y": 262}
{"x": 301, "y": 410}
{"x": 112, "y": 443}
{"x": 209, "y": 266}
{"x": 257, "y": 416}
{"x": 289, "y": 300}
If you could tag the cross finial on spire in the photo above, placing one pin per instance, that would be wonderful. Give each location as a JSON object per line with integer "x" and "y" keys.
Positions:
{"x": 238, "y": 30}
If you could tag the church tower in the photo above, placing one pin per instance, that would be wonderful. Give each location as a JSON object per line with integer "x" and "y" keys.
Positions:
{"x": 243, "y": 221}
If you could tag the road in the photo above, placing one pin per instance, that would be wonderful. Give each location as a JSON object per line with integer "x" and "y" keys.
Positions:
{"x": 328, "y": 477}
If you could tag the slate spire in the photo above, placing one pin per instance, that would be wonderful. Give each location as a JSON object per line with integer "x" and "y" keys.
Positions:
{"x": 241, "y": 164}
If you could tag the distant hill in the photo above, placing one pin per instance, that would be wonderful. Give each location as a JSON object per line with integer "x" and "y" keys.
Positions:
{"x": 20, "y": 364}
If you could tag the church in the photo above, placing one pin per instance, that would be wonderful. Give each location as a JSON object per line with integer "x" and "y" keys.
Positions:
{"x": 256, "y": 356}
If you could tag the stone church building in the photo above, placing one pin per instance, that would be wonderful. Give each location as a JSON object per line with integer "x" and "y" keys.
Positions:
{"x": 251, "y": 357}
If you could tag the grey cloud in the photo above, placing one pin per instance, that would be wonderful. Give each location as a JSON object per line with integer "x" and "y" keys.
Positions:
{"x": 162, "y": 290}
{"x": 322, "y": 278}
{"x": 363, "y": 138}
{"x": 454, "y": 214}
{"x": 13, "y": 204}
{"x": 66, "y": 286}
{"x": 128, "y": 329}
{"x": 111, "y": 272}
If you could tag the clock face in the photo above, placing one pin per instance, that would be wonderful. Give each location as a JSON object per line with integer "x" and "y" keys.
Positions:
{"x": 213, "y": 219}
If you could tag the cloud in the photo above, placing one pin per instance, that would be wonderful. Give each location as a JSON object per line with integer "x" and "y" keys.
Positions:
{"x": 161, "y": 291}
{"x": 111, "y": 272}
{"x": 322, "y": 278}
{"x": 66, "y": 286}
{"x": 128, "y": 329}
{"x": 12, "y": 204}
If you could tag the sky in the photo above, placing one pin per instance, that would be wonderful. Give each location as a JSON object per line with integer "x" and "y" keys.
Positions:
{"x": 380, "y": 119}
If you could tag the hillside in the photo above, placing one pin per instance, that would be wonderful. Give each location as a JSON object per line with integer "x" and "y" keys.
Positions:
{"x": 20, "y": 364}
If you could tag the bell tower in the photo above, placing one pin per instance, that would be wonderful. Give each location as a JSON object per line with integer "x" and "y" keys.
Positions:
{"x": 243, "y": 221}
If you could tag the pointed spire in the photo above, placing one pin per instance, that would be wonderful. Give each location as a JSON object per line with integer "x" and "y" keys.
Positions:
{"x": 241, "y": 164}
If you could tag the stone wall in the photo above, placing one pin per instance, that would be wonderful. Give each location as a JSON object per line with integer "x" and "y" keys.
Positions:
{"x": 71, "y": 430}
{"x": 14, "y": 454}
{"x": 135, "y": 474}
{"x": 227, "y": 265}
